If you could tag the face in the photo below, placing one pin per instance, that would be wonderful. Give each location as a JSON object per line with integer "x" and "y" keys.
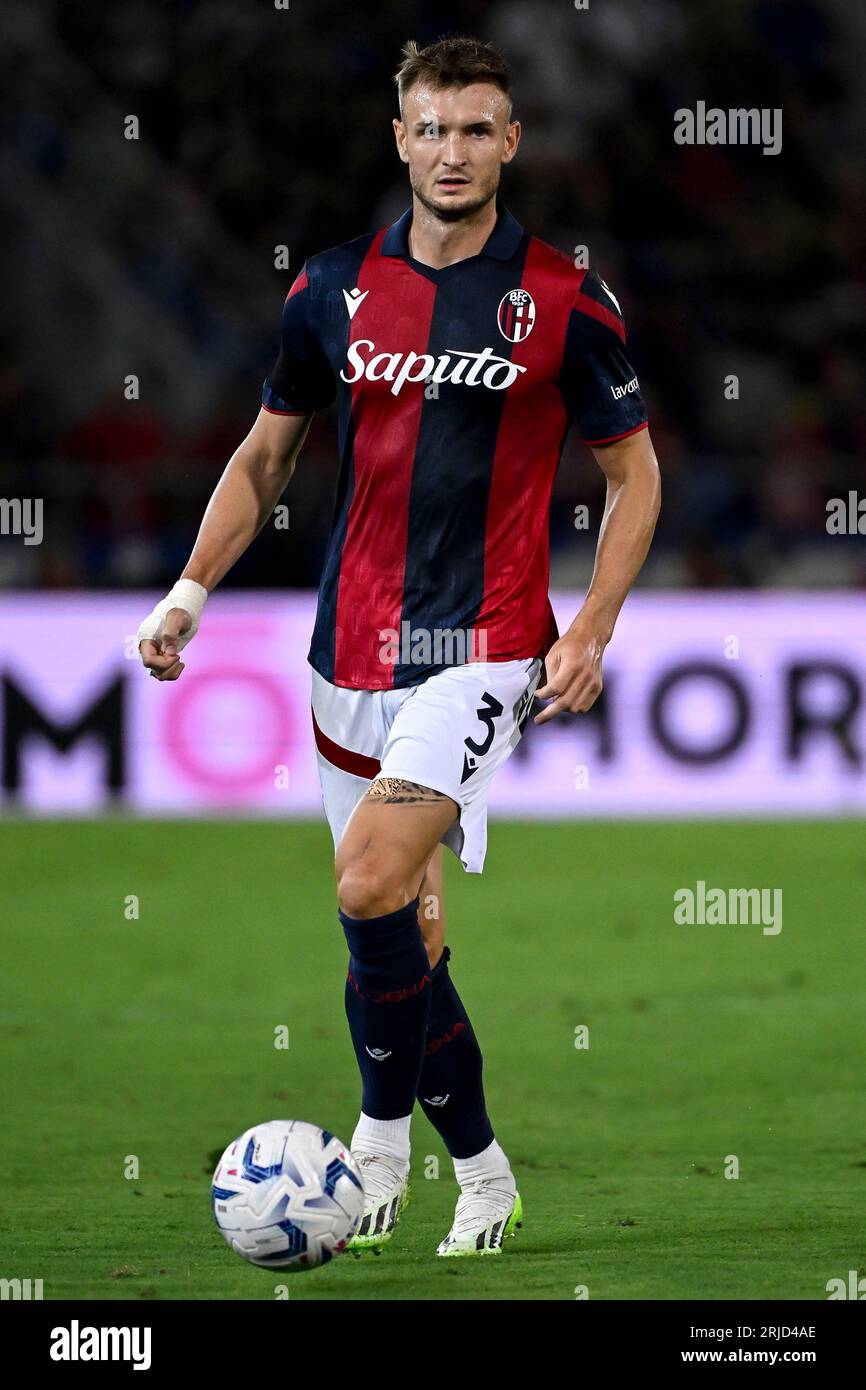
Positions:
{"x": 455, "y": 141}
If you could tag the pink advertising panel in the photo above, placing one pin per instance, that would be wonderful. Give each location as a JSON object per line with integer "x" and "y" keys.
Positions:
{"x": 715, "y": 704}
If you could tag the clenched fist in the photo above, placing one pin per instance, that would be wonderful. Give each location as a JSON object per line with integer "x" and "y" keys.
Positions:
{"x": 166, "y": 631}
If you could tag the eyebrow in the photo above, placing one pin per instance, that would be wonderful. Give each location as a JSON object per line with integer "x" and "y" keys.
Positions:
{"x": 441, "y": 125}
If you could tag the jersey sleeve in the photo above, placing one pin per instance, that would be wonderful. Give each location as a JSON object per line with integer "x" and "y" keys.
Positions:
{"x": 598, "y": 383}
{"x": 302, "y": 379}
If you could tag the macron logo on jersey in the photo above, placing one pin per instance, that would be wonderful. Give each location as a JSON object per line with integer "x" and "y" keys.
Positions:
{"x": 457, "y": 365}
{"x": 610, "y": 294}
{"x": 354, "y": 299}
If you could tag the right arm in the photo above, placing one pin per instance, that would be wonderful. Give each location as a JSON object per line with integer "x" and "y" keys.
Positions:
{"x": 301, "y": 383}
{"x": 243, "y": 500}
{"x": 245, "y": 496}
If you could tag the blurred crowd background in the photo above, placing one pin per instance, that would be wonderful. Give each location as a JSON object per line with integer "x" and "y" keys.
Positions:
{"x": 262, "y": 127}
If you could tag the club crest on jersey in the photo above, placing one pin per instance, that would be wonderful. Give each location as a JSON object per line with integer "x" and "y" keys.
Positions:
{"x": 516, "y": 315}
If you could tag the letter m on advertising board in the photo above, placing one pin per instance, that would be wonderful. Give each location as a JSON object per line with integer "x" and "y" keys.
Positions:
{"x": 102, "y": 720}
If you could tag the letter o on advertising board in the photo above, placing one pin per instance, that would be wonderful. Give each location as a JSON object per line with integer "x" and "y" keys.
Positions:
{"x": 660, "y": 721}
{"x": 268, "y": 722}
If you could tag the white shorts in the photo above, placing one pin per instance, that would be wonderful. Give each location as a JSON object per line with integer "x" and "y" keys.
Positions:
{"x": 449, "y": 733}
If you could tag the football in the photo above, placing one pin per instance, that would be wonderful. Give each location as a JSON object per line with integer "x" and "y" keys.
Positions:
{"x": 287, "y": 1195}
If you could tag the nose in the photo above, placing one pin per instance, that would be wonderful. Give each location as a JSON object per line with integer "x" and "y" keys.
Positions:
{"x": 454, "y": 152}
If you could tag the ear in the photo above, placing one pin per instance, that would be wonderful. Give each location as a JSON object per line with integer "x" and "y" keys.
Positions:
{"x": 512, "y": 140}
{"x": 400, "y": 137}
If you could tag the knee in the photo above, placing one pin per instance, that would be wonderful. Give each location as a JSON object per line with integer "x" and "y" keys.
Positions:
{"x": 364, "y": 891}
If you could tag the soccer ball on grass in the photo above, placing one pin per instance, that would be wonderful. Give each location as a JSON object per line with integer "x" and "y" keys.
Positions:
{"x": 287, "y": 1195}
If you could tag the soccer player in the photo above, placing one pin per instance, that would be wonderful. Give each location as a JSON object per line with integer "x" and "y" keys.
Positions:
{"x": 458, "y": 348}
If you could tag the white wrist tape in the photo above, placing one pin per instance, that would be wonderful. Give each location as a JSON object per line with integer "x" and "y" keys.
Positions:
{"x": 186, "y": 594}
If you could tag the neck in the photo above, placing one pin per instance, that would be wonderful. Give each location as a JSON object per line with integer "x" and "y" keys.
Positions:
{"x": 436, "y": 243}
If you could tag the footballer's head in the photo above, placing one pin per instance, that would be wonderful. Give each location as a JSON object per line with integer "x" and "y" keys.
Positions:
{"x": 455, "y": 130}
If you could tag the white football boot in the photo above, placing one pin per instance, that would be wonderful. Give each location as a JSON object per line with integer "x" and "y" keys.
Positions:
{"x": 386, "y": 1192}
{"x": 488, "y": 1210}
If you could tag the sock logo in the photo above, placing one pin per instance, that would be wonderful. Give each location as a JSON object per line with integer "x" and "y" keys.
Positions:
{"x": 436, "y": 1100}
{"x": 393, "y": 996}
{"x": 447, "y": 1037}
{"x": 377, "y": 1054}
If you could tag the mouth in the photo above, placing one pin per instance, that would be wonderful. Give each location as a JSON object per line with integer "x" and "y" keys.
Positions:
{"x": 452, "y": 181}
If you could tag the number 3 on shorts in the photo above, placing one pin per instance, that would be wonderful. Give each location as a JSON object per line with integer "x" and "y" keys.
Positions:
{"x": 486, "y": 712}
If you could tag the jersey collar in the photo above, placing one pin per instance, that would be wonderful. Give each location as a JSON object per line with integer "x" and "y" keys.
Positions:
{"x": 501, "y": 245}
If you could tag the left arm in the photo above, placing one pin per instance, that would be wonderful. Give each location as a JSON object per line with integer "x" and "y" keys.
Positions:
{"x": 573, "y": 664}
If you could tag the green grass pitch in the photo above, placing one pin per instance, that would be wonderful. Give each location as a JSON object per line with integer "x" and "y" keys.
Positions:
{"x": 155, "y": 1038}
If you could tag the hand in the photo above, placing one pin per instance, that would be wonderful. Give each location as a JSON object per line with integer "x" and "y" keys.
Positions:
{"x": 573, "y": 667}
{"x": 160, "y": 655}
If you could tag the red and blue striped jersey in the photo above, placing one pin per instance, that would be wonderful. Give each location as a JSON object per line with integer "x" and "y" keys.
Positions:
{"x": 455, "y": 390}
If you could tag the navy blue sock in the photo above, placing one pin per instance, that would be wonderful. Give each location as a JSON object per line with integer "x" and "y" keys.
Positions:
{"x": 450, "y": 1090}
{"x": 388, "y": 991}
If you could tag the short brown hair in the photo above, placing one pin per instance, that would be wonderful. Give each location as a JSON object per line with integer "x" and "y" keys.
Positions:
{"x": 452, "y": 62}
